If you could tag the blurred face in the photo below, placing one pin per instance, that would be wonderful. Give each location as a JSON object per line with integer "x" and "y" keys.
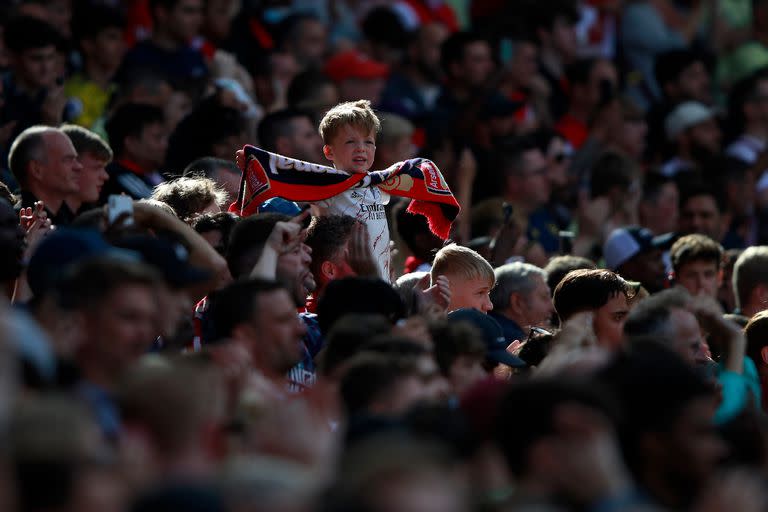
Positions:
{"x": 311, "y": 44}
{"x": 706, "y": 135}
{"x": 531, "y": 179}
{"x": 693, "y": 447}
{"x": 602, "y": 71}
{"x": 277, "y": 332}
{"x": 11, "y": 243}
{"x": 185, "y": 20}
{"x": 305, "y": 142}
{"x": 470, "y": 293}
{"x": 609, "y": 321}
{"x": 666, "y": 209}
{"x": 352, "y": 150}
{"x": 700, "y": 215}
{"x": 700, "y": 277}
{"x": 687, "y": 340}
{"x": 477, "y": 64}
{"x": 648, "y": 268}
{"x": 564, "y": 39}
{"x": 694, "y": 83}
{"x": 61, "y": 168}
{"x": 293, "y": 269}
{"x": 151, "y": 146}
{"x": 538, "y": 307}
{"x": 436, "y": 387}
{"x": 122, "y": 327}
{"x": 759, "y": 110}
{"x": 107, "y": 47}
{"x": 175, "y": 305}
{"x": 523, "y": 66}
{"x": 427, "y": 49}
{"x": 37, "y": 68}
{"x": 92, "y": 177}
{"x": 229, "y": 181}
{"x": 217, "y": 18}
{"x": 633, "y": 132}
{"x": 465, "y": 372}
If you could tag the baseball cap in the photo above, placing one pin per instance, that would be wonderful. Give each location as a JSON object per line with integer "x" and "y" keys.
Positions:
{"x": 623, "y": 244}
{"x": 62, "y": 248}
{"x": 686, "y": 115}
{"x": 354, "y": 64}
{"x": 170, "y": 258}
{"x": 492, "y": 336}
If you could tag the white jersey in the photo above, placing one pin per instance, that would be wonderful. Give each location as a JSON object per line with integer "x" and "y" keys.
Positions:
{"x": 366, "y": 204}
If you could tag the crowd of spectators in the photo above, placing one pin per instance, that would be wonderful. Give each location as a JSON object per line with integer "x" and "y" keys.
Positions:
{"x": 592, "y": 336}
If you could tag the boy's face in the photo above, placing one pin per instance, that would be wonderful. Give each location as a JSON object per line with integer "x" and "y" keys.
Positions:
{"x": 351, "y": 149}
{"x": 700, "y": 277}
{"x": 470, "y": 293}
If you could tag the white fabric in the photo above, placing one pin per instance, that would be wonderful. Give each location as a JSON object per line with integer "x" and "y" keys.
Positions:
{"x": 366, "y": 204}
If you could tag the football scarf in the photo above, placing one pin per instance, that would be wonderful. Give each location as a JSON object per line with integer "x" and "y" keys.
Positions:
{"x": 267, "y": 175}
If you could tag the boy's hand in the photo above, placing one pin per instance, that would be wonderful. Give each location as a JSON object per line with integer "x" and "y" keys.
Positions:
{"x": 240, "y": 158}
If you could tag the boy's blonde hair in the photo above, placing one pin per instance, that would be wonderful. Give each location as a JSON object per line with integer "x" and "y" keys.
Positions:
{"x": 460, "y": 261}
{"x": 356, "y": 113}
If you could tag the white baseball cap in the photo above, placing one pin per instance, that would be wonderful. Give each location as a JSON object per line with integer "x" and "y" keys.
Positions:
{"x": 686, "y": 115}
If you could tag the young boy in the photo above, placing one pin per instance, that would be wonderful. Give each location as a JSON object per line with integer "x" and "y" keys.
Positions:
{"x": 470, "y": 276}
{"x": 349, "y": 137}
{"x": 697, "y": 264}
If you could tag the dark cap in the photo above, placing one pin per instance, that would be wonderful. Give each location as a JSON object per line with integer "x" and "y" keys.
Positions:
{"x": 492, "y": 335}
{"x": 170, "y": 258}
{"x": 62, "y": 248}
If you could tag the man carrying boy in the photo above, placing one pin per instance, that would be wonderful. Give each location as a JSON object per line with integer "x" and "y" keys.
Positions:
{"x": 696, "y": 263}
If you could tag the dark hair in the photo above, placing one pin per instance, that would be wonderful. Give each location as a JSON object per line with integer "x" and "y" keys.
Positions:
{"x": 371, "y": 375}
{"x": 358, "y": 295}
{"x": 612, "y": 169}
{"x": 223, "y": 222}
{"x": 586, "y": 290}
{"x": 278, "y": 124}
{"x": 651, "y": 316}
{"x": 453, "y": 48}
{"x": 536, "y": 348}
{"x": 695, "y": 248}
{"x": 580, "y": 71}
{"x": 88, "y": 283}
{"x": 130, "y": 120}
{"x": 383, "y": 25}
{"x": 95, "y": 19}
{"x": 545, "y": 18}
{"x": 27, "y": 33}
{"x": 743, "y": 92}
{"x": 209, "y": 166}
{"x": 559, "y": 266}
{"x": 756, "y": 332}
{"x": 326, "y": 236}
{"x": 305, "y": 86}
{"x": 653, "y": 385}
{"x": 290, "y": 28}
{"x": 696, "y": 188}
{"x": 671, "y": 64}
{"x": 409, "y": 226}
{"x": 86, "y": 141}
{"x": 190, "y": 141}
{"x": 527, "y": 414}
{"x": 512, "y": 151}
{"x": 652, "y": 185}
{"x": 247, "y": 240}
{"x": 347, "y": 337}
{"x": 237, "y": 303}
{"x": 453, "y": 340}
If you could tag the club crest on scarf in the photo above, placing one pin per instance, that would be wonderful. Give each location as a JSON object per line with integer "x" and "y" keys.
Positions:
{"x": 267, "y": 175}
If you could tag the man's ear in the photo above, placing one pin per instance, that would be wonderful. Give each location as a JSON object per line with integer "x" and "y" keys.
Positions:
{"x": 763, "y": 356}
{"x": 282, "y": 146}
{"x": 328, "y": 270}
{"x": 720, "y": 274}
{"x": 516, "y": 301}
{"x": 328, "y": 152}
{"x": 35, "y": 170}
{"x": 242, "y": 332}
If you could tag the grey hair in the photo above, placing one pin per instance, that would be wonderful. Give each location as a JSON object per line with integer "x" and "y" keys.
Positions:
{"x": 651, "y": 316}
{"x": 749, "y": 271}
{"x": 512, "y": 278}
{"x": 28, "y": 146}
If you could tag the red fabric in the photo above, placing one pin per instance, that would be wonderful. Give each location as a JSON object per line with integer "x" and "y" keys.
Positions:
{"x": 574, "y": 130}
{"x": 131, "y": 166}
{"x": 267, "y": 175}
{"x": 412, "y": 263}
{"x": 261, "y": 34}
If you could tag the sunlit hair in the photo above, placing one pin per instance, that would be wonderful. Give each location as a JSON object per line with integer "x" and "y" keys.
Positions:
{"x": 358, "y": 114}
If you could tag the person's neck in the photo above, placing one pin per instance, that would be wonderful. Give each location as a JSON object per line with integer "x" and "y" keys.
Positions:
{"x": 758, "y": 131}
{"x": 97, "y": 373}
{"x": 73, "y": 203}
{"x": 521, "y": 322}
{"x": 551, "y": 61}
{"x": 50, "y": 199}
{"x": 100, "y": 75}
{"x": 163, "y": 40}
{"x": 459, "y": 91}
{"x": 665, "y": 490}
